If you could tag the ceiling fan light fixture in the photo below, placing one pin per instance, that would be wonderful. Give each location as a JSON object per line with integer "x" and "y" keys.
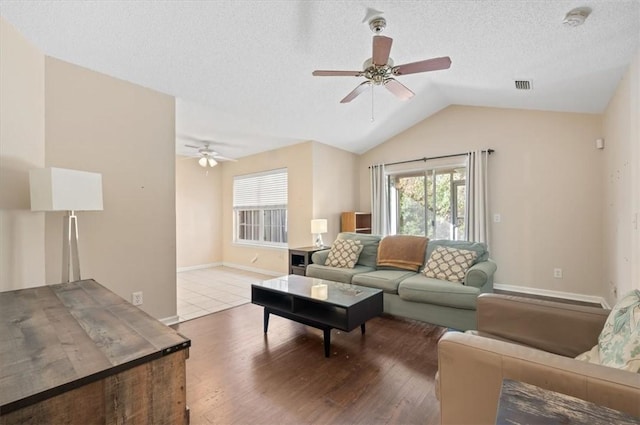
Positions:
{"x": 576, "y": 17}
{"x": 212, "y": 162}
{"x": 202, "y": 161}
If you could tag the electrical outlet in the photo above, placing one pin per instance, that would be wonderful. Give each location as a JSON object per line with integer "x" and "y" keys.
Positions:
{"x": 557, "y": 273}
{"x": 136, "y": 298}
{"x": 497, "y": 218}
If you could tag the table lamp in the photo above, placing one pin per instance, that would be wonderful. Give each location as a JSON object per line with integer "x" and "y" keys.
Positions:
{"x": 318, "y": 227}
{"x": 59, "y": 189}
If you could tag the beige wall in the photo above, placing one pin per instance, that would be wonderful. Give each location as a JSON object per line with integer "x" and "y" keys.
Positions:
{"x": 322, "y": 184}
{"x": 621, "y": 203}
{"x": 335, "y": 187}
{"x": 544, "y": 181}
{"x": 198, "y": 213}
{"x": 298, "y": 161}
{"x": 126, "y": 132}
{"x": 21, "y": 148}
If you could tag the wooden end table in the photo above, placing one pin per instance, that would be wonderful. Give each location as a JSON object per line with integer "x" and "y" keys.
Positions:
{"x": 522, "y": 403}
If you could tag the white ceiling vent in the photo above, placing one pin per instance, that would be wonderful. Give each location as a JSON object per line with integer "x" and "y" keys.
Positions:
{"x": 523, "y": 84}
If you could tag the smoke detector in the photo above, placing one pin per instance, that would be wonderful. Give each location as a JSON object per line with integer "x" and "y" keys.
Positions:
{"x": 576, "y": 17}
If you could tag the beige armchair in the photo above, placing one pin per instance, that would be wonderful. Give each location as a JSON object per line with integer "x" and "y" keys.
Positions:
{"x": 532, "y": 341}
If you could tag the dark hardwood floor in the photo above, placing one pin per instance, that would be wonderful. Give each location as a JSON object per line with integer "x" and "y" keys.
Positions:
{"x": 238, "y": 375}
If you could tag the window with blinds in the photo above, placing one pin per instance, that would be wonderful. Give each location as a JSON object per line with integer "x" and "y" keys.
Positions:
{"x": 260, "y": 208}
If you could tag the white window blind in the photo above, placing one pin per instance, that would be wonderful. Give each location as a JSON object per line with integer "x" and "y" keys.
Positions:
{"x": 260, "y": 208}
{"x": 267, "y": 189}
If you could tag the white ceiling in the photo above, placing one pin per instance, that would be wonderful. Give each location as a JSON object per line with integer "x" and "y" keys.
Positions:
{"x": 241, "y": 70}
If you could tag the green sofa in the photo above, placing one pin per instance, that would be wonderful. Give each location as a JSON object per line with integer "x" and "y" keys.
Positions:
{"x": 412, "y": 294}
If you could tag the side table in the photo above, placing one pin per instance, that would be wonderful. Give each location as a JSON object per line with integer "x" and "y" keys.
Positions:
{"x": 522, "y": 403}
{"x": 300, "y": 258}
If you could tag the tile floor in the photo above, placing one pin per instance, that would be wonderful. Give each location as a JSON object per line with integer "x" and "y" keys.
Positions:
{"x": 206, "y": 291}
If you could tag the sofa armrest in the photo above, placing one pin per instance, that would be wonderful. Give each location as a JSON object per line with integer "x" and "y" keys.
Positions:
{"x": 320, "y": 257}
{"x": 480, "y": 274}
{"x": 471, "y": 369}
{"x": 559, "y": 328}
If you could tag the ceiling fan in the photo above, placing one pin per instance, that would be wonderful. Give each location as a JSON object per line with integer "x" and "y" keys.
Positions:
{"x": 379, "y": 70}
{"x": 209, "y": 157}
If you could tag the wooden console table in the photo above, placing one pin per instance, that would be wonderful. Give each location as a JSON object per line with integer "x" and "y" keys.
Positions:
{"x": 76, "y": 353}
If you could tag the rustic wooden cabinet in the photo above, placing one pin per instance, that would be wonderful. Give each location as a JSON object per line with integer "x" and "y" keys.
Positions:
{"x": 76, "y": 353}
{"x": 358, "y": 222}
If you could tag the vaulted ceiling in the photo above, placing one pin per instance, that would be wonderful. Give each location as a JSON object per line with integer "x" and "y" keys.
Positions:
{"x": 241, "y": 70}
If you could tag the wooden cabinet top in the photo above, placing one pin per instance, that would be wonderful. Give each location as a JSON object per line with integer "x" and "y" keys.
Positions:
{"x": 59, "y": 337}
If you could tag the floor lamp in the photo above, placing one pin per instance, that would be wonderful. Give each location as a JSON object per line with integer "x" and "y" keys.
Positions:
{"x": 59, "y": 189}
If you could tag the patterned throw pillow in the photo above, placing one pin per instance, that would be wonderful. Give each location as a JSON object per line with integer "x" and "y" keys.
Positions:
{"x": 449, "y": 263}
{"x": 344, "y": 253}
{"x": 619, "y": 341}
{"x": 591, "y": 356}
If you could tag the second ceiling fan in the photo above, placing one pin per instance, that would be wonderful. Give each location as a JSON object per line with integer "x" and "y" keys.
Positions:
{"x": 379, "y": 70}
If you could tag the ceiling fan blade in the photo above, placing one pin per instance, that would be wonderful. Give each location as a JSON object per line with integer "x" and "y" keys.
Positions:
{"x": 336, "y": 73}
{"x": 361, "y": 87}
{"x": 224, "y": 158}
{"x": 203, "y": 141}
{"x": 434, "y": 64}
{"x": 399, "y": 89}
{"x": 381, "y": 49}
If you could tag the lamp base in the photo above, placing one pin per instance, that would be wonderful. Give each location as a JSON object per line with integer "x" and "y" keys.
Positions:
{"x": 318, "y": 243}
{"x": 70, "y": 258}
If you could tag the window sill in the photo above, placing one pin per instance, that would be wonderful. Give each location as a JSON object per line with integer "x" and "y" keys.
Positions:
{"x": 261, "y": 246}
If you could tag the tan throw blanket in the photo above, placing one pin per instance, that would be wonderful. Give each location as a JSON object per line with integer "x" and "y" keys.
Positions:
{"x": 402, "y": 251}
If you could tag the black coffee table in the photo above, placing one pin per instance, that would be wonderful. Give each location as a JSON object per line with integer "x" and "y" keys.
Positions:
{"x": 345, "y": 306}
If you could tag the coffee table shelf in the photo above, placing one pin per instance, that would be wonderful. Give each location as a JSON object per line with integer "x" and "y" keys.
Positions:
{"x": 345, "y": 306}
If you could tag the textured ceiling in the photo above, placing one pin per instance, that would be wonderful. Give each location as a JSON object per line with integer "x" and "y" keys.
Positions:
{"x": 241, "y": 70}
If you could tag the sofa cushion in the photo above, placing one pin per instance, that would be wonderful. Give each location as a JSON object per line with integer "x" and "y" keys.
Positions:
{"x": 479, "y": 247}
{"x": 369, "y": 246}
{"x": 449, "y": 263}
{"x": 419, "y": 288}
{"x": 387, "y": 280}
{"x": 335, "y": 274}
{"x": 344, "y": 253}
{"x": 402, "y": 252}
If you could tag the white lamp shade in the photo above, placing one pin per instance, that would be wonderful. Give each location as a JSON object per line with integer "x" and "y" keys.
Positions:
{"x": 60, "y": 189}
{"x": 319, "y": 225}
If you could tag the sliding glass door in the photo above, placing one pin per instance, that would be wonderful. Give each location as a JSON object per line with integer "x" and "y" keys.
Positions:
{"x": 429, "y": 203}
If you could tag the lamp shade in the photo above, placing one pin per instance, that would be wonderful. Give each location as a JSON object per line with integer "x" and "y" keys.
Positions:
{"x": 60, "y": 189}
{"x": 319, "y": 225}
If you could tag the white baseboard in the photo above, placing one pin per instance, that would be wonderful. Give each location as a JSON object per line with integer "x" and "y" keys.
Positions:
{"x": 200, "y": 266}
{"x": 555, "y": 294}
{"x": 171, "y": 320}
{"x": 232, "y": 265}
{"x": 254, "y": 269}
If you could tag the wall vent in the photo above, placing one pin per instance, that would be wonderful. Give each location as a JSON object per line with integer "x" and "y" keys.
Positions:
{"x": 523, "y": 84}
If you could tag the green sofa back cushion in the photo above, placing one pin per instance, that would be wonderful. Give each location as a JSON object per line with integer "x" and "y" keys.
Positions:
{"x": 479, "y": 247}
{"x": 369, "y": 246}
